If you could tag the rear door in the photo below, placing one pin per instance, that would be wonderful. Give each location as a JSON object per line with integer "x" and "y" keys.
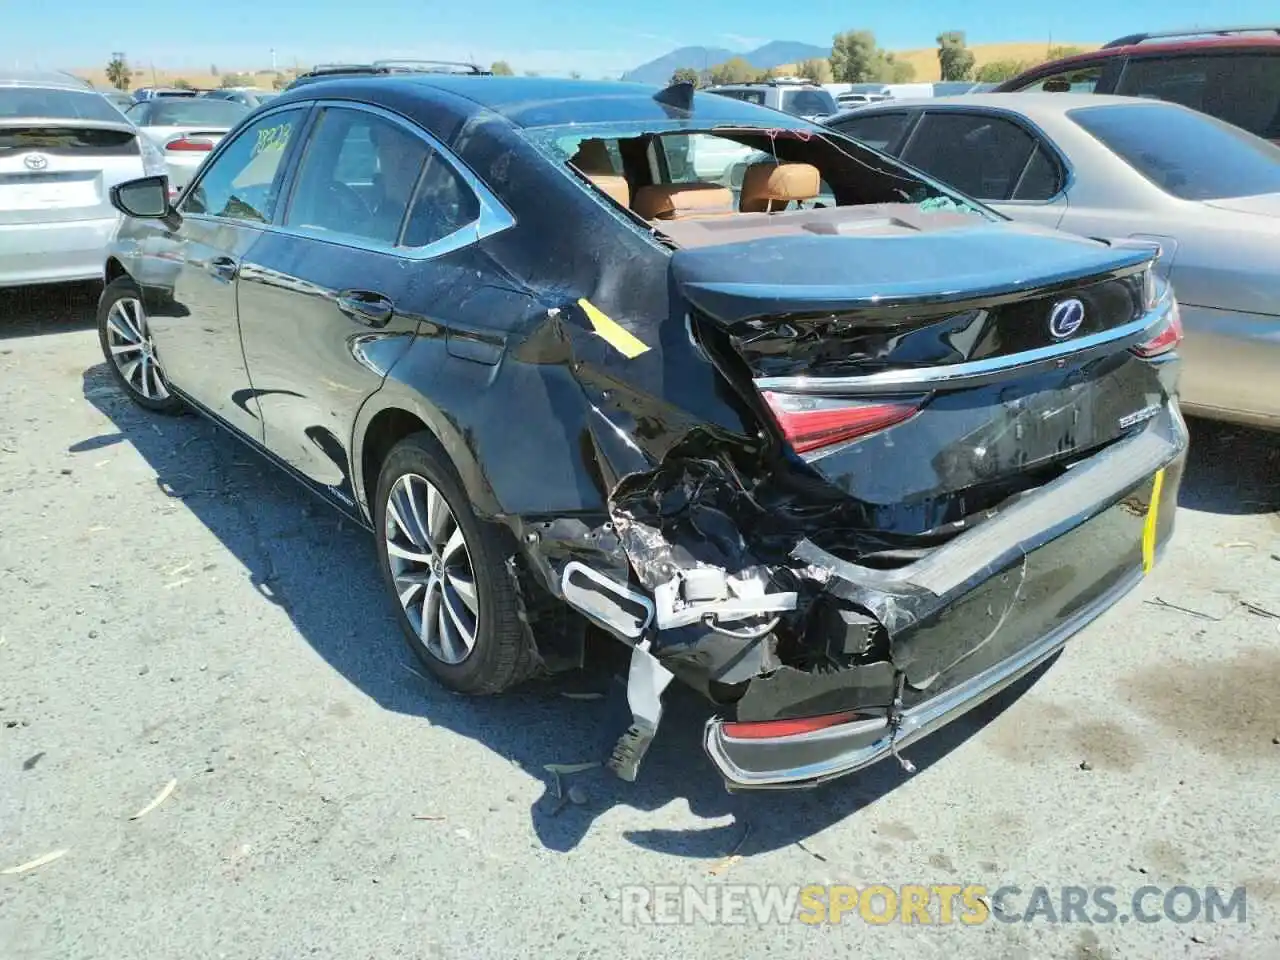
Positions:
{"x": 374, "y": 213}
{"x": 992, "y": 157}
{"x": 222, "y": 216}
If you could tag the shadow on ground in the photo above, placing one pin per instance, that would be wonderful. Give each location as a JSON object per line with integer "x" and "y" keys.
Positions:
{"x": 55, "y": 308}
{"x": 1231, "y": 470}
{"x": 282, "y": 536}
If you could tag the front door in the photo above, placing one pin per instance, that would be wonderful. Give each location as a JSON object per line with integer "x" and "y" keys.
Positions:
{"x": 195, "y": 321}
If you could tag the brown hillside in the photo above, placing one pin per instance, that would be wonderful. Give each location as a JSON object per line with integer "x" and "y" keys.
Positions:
{"x": 924, "y": 60}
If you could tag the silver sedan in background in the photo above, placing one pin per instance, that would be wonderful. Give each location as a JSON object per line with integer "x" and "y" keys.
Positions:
{"x": 185, "y": 130}
{"x": 1118, "y": 167}
{"x": 63, "y": 146}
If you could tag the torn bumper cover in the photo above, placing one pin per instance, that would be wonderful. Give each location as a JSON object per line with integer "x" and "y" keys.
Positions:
{"x": 967, "y": 621}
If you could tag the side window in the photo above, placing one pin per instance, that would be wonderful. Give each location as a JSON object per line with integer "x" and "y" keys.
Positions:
{"x": 357, "y": 176}
{"x": 981, "y": 156}
{"x": 1078, "y": 80}
{"x": 883, "y": 131}
{"x": 1241, "y": 89}
{"x": 443, "y": 204}
{"x": 243, "y": 183}
{"x": 1041, "y": 179}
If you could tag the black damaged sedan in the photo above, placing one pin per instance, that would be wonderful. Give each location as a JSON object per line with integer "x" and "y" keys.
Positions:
{"x": 840, "y": 448}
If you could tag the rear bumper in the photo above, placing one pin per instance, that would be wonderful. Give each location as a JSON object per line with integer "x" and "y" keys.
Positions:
{"x": 54, "y": 252}
{"x": 1007, "y": 596}
{"x": 1229, "y": 366}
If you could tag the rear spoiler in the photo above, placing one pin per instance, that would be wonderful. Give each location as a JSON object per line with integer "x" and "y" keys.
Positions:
{"x": 123, "y": 124}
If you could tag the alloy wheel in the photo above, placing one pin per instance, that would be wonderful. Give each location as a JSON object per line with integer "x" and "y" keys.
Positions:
{"x": 132, "y": 350}
{"x": 432, "y": 570}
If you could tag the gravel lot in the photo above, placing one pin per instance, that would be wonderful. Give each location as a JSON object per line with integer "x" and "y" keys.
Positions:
{"x": 171, "y": 608}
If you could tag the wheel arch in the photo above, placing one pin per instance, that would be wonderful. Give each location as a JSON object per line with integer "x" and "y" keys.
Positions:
{"x": 114, "y": 270}
{"x": 394, "y": 413}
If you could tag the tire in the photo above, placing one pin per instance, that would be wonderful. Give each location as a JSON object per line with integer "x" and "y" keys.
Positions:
{"x": 502, "y": 654}
{"x": 129, "y": 351}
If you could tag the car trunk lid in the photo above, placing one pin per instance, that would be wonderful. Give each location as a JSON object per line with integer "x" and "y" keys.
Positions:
{"x": 54, "y": 170}
{"x": 927, "y": 375}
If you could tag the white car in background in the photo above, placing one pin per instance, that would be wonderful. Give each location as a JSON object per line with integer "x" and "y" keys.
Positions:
{"x": 63, "y": 146}
{"x": 185, "y": 130}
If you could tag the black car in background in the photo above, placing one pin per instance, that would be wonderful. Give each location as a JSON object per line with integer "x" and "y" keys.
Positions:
{"x": 838, "y": 447}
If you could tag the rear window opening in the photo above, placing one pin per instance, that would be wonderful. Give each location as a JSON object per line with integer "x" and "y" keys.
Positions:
{"x": 726, "y": 185}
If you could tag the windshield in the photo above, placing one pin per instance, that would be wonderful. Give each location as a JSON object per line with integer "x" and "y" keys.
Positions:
{"x": 1190, "y": 155}
{"x": 808, "y": 103}
{"x": 182, "y": 112}
{"x": 57, "y": 104}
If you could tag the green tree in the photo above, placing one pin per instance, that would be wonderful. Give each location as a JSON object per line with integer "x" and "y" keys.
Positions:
{"x": 501, "y": 68}
{"x": 734, "y": 70}
{"x": 686, "y": 75}
{"x": 279, "y": 82}
{"x": 236, "y": 80}
{"x": 998, "y": 70}
{"x": 118, "y": 73}
{"x": 855, "y": 57}
{"x": 818, "y": 70}
{"x": 955, "y": 59}
{"x": 182, "y": 83}
{"x": 893, "y": 70}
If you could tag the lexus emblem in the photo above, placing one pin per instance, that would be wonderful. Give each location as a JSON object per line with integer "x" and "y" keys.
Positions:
{"x": 35, "y": 161}
{"x": 1065, "y": 318}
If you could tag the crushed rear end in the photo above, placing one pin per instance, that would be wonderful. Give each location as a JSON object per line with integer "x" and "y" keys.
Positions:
{"x": 961, "y": 445}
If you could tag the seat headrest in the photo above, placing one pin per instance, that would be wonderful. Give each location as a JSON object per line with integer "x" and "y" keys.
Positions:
{"x": 593, "y": 157}
{"x": 612, "y": 186}
{"x": 766, "y": 185}
{"x": 673, "y": 201}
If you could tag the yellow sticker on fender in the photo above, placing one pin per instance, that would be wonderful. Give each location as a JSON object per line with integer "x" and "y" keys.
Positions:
{"x": 612, "y": 332}
{"x": 1149, "y": 528}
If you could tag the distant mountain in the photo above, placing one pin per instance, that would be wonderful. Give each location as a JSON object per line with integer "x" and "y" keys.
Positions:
{"x": 777, "y": 52}
{"x": 772, "y": 54}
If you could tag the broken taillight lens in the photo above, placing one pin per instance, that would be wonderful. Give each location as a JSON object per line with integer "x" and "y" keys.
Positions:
{"x": 810, "y": 423}
{"x": 1170, "y": 336}
{"x": 768, "y": 729}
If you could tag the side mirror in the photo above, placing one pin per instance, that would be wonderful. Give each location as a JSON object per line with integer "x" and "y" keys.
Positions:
{"x": 146, "y": 198}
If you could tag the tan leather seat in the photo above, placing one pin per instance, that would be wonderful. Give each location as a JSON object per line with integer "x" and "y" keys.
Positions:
{"x": 771, "y": 186}
{"x": 680, "y": 201}
{"x": 594, "y": 162}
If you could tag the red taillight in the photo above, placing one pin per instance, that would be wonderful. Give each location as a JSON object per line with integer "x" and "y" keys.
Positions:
{"x": 1170, "y": 336}
{"x": 768, "y": 729}
{"x": 190, "y": 144}
{"x": 810, "y": 423}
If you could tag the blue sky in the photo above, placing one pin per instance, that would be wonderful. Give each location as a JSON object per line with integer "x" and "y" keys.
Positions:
{"x": 592, "y": 36}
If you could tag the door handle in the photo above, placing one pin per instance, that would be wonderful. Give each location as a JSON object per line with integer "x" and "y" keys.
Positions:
{"x": 224, "y": 268}
{"x": 365, "y": 307}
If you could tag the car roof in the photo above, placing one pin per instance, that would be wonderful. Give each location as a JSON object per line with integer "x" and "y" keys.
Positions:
{"x": 43, "y": 78}
{"x": 550, "y": 101}
{"x": 1157, "y": 46}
